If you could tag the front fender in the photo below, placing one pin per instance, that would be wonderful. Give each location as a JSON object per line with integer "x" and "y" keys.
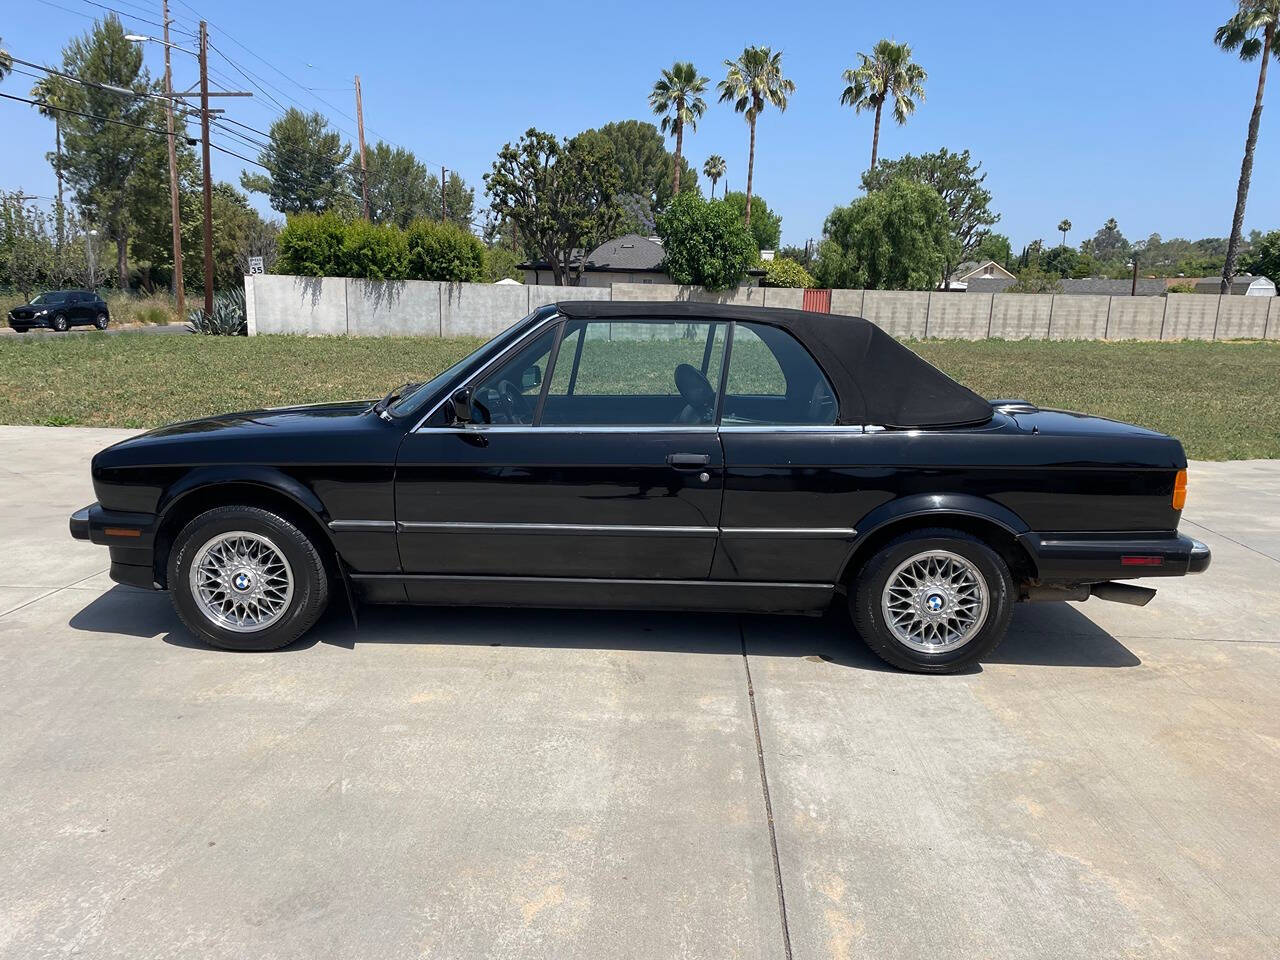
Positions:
{"x": 270, "y": 478}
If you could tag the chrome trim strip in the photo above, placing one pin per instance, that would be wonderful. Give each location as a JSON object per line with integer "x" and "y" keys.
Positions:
{"x": 790, "y": 428}
{"x": 534, "y": 529}
{"x": 465, "y": 578}
{"x": 787, "y": 533}
{"x": 353, "y": 526}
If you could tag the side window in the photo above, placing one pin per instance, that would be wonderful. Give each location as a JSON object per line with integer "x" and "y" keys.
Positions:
{"x": 773, "y": 380}
{"x": 509, "y": 394}
{"x": 636, "y": 373}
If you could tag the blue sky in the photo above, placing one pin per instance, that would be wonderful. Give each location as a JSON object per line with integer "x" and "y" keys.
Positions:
{"x": 1085, "y": 110}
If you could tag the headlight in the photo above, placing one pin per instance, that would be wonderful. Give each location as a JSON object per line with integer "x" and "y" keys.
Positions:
{"x": 41, "y": 313}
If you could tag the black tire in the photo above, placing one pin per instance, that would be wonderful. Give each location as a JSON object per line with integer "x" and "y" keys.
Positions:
{"x": 867, "y": 591}
{"x": 101, "y": 321}
{"x": 60, "y": 323}
{"x": 310, "y": 580}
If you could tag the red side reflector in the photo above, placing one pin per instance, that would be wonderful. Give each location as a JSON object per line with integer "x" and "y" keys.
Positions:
{"x": 1141, "y": 561}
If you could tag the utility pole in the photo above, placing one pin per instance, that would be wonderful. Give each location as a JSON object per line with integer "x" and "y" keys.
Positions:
{"x": 364, "y": 179}
{"x": 444, "y": 204}
{"x": 178, "y": 286}
{"x": 1134, "y": 293}
{"x": 208, "y": 174}
{"x": 57, "y": 168}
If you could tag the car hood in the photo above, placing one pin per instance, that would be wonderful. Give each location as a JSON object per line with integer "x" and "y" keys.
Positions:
{"x": 280, "y": 434}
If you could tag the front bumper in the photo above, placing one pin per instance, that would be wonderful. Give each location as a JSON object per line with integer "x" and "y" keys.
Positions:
{"x": 130, "y": 537}
{"x": 29, "y": 323}
{"x": 1070, "y": 558}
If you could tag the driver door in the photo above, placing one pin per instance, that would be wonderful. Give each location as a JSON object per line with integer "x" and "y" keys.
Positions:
{"x": 582, "y": 459}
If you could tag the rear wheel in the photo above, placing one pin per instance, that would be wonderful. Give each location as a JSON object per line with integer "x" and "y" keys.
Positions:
{"x": 101, "y": 321}
{"x": 244, "y": 578}
{"x": 933, "y": 601}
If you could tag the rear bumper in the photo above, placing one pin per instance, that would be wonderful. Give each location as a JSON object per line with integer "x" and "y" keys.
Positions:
{"x": 130, "y": 537}
{"x": 1094, "y": 558}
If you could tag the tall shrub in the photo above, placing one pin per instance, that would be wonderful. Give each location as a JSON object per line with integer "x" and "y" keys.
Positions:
{"x": 311, "y": 245}
{"x": 374, "y": 252}
{"x": 706, "y": 243}
{"x": 443, "y": 251}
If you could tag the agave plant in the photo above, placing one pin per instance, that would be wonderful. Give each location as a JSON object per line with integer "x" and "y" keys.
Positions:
{"x": 226, "y": 320}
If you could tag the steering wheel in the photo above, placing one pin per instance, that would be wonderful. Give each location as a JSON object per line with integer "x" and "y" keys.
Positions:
{"x": 696, "y": 390}
{"x": 513, "y": 404}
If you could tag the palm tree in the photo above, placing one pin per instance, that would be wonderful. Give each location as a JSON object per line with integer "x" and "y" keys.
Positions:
{"x": 1241, "y": 33}
{"x": 1064, "y": 226}
{"x": 5, "y": 63}
{"x": 888, "y": 72}
{"x": 713, "y": 170}
{"x": 676, "y": 96}
{"x": 753, "y": 81}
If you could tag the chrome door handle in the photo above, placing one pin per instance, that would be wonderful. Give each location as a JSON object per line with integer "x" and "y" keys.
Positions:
{"x": 688, "y": 461}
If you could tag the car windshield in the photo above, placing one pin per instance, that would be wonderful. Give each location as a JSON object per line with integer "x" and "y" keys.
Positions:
{"x": 411, "y": 400}
{"x": 57, "y": 296}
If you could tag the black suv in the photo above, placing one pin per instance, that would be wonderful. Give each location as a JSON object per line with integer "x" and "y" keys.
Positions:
{"x": 59, "y": 310}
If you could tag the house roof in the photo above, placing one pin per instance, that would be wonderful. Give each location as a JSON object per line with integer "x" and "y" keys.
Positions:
{"x": 1239, "y": 284}
{"x": 970, "y": 267}
{"x": 630, "y": 253}
{"x": 1147, "y": 287}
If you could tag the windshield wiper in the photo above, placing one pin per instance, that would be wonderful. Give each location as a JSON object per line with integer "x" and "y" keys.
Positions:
{"x": 380, "y": 408}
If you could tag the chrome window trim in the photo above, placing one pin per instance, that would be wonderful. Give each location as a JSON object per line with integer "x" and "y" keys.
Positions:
{"x": 534, "y": 331}
{"x": 792, "y": 428}
{"x": 527, "y": 428}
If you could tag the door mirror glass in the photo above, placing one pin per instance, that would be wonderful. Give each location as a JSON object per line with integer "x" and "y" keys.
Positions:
{"x": 531, "y": 378}
{"x": 462, "y": 405}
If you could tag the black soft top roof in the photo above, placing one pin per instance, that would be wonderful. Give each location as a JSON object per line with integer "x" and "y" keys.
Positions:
{"x": 876, "y": 379}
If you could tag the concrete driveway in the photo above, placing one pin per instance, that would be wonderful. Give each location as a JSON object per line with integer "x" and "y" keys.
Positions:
{"x": 478, "y": 783}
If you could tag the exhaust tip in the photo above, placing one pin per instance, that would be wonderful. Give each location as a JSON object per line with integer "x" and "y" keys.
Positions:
{"x": 1123, "y": 593}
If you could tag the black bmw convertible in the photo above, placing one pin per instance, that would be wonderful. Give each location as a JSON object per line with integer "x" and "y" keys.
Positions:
{"x": 653, "y": 455}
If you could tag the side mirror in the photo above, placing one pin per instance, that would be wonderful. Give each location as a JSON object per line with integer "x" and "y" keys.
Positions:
{"x": 462, "y": 405}
{"x": 532, "y": 377}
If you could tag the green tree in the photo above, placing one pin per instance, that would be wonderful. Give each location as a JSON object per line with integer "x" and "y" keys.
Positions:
{"x": 563, "y": 196}
{"x": 706, "y": 243}
{"x": 765, "y": 226}
{"x": 459, "y": 200}
{"x": 994, "y": 246}
{"x": 397, "y": 182}
{"x": 1061, "y": 261}
{"x": 306, "y": 166}
{"x": 646, "y": 168}
{"x": 713, "y": 169}
{"x": 1034, "y": 280}
{"x": 888, "y": 72}
{"x": 677, "y": 98}
{"x": 1251, "y": 32}
{"x": 1064, "y": 227}
{"x": 26, "y": 248}
{"x": 752, "y": 82}
{"x": 783, "y": 272}
{"x": 1264, "y": 258}
{"x": 960, "y": 184}
{"x": 897, "y": 238}
{"x": 238, "y": 233}
{"x": 1108, "y": 244}
{"x": 111, "y": 162}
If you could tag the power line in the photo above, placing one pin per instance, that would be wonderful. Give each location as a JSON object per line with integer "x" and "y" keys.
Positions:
{"x": 89, "y": 116}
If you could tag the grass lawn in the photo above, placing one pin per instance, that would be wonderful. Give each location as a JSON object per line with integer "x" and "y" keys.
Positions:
{"x": 1221, "y": 399}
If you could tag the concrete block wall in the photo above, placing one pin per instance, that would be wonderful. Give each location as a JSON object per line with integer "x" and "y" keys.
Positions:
{"x": 317, "y": 306}
{"x": 1079, "y": 317}
{"x": 1020, "y": 316}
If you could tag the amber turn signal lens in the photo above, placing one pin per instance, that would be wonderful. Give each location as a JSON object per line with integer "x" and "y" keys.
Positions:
{"x": 1180, "y": 490}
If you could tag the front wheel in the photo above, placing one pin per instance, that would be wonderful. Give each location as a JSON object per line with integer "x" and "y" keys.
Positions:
{"x": 60, "y": 323}
{"x": 244, "y": 578}
{"x": 933, "y": 601}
